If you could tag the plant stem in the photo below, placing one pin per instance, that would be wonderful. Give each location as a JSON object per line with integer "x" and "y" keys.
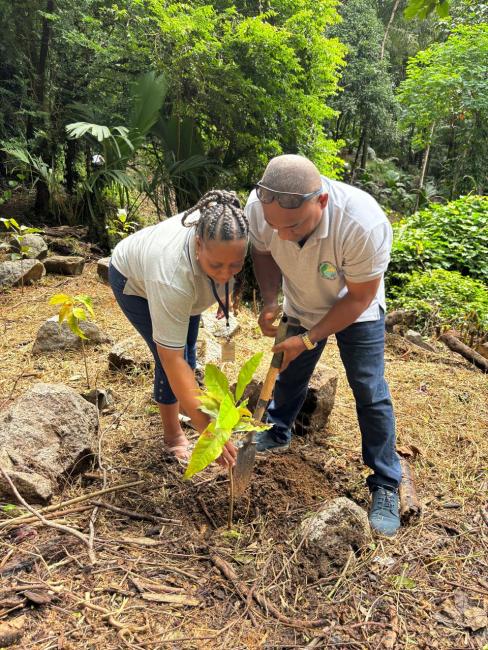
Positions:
{"x": 86, "y": 365}
{"x": 231, "y": 499}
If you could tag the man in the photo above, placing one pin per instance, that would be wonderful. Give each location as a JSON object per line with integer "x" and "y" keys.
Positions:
{"x": 327, "y": 245}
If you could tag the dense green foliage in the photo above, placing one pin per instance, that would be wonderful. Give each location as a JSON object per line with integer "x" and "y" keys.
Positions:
{"x": 453, "y": 237}
{"x": 443, "y": 299}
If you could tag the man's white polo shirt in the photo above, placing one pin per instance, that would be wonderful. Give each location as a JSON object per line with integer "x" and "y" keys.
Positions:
{"x": 352, "y": 241}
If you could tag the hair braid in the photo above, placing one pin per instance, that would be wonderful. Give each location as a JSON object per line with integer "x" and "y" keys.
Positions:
{"x": 221, "y": 217}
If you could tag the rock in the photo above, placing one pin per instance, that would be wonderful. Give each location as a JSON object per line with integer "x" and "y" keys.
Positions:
{"x": 68, "y": 246}
{"x": 37, "y": 246}
{"x": 401, "y": 318}
{"x": 319, "y": 402}
{"x": 49, "y": 432}
{"x": 129, "y": 354}
{"x": 100, "y": 397}
{"x": 217, "y": 327}
{"x": 52, "y": 337}
{"x": 12, "y": 631}
{"x": 19, "y": 272}
{"x": 416, "y": 338}
{"x": 208, "y": 348}
{"x": 64, "y": 265}
{"x": 336, "y": 530}
{"x": 102, "y": 269}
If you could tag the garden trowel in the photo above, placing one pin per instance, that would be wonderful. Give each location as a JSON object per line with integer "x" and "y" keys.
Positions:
{"x": 247, "y": 453}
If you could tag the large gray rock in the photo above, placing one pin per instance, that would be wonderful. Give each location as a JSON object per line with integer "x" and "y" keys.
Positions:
{"x": 217, "y": 326}
{"x": 102, "y": 269}
{"x": 36, "y": 244}
{"x": 64, "y": 265}
{"x": 336, "y": 530}
{"x": 20, "y": 272}
{"x": 52, "y": 337}
{"x": 48, "y": 433}
{"x": 129, "y": 354}
{"x": 208, "y": 348}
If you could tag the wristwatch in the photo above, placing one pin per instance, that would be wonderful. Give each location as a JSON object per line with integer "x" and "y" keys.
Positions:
{"x": 307, "y": 342}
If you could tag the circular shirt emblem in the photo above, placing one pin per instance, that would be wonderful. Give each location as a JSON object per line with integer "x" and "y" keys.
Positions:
{"x": 327, "y": 270}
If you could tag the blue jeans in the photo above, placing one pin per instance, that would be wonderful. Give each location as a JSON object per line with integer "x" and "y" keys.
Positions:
{"x": 136, "y": 309}
{"x": 361, "y": 346}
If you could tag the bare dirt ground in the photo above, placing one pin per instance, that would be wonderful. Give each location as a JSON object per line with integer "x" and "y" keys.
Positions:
{"x": 166, "y": 581}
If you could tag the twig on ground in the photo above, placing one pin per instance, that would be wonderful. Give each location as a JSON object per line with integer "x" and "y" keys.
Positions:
{"x": 46, "y": 522}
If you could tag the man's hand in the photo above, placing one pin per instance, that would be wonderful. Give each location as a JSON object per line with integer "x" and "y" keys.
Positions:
{"x": 267, "y": 317}
{"x": 291, "y": 349}
{"x": 228, "y": 456}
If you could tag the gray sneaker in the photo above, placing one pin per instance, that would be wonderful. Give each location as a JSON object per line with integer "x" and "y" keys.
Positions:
{"x": 266, "y": 443}
{"x": 383, "y": 515}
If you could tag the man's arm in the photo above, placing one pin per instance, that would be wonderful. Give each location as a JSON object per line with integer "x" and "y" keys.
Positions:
{"x": 268, "y": 276}
{"x": 344, "y": 312}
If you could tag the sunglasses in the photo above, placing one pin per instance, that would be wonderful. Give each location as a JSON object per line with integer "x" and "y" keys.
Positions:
{"x": 286, "y": 200}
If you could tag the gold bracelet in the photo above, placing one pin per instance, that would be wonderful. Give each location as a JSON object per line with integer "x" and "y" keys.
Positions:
{"x": 307, "y": 342}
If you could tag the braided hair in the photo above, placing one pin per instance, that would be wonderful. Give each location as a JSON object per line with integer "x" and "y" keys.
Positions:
{"x": 221, "y": 217}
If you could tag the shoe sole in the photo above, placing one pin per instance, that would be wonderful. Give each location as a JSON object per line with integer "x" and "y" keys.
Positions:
{"x": 274, "y": 450}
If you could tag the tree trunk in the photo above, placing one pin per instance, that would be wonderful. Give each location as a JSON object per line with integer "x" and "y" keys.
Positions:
{"x": 392, "y": 17}
{"x": 423, "y": 170}
{"x": 364, "y": 155}
{"x": 69, "y": 159}
{"x": 355, "y": 163}
{"x": 454, "y": 344}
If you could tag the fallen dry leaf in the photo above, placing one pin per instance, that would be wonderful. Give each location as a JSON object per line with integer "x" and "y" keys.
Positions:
{"x": 475, "y": 618}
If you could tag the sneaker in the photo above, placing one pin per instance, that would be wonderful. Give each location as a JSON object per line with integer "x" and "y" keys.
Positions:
{"x": 384, "y": 517}
{"x": 266, "y": 443}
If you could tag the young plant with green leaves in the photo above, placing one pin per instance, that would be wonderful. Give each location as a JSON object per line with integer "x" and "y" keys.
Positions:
{"x": 73, "y": 310}
{"x": 229, "y": 415}
{"x": 18, "y": 233}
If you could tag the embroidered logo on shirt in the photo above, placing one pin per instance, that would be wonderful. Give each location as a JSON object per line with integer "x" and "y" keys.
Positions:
{"x": 327, "y": 270}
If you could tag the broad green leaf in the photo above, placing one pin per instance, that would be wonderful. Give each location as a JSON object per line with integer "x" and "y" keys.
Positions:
{"x": 216, "y": 381}
{"x": 208, "y": 401}
{"x": 79, "y": 313}
{"x": 59, "y": 299}
{"x": 249, "y": 426}
{"x": 64, "y": 312}
{"x": 208, "y": 448}
{"x": 402, "y": 582}
{"x": 228, "y": 414}
{"x": 87, "y": 302}
{"x": 74, "y": 326}
{"x": 247, "y": 373}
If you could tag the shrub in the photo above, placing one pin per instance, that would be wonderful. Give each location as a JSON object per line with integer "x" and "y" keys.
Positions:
{"x": 443, "y": 299}
{"x": 452, "y": 237}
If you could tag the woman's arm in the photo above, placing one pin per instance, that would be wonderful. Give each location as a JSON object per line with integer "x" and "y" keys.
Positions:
{"x": 185, "y": 388}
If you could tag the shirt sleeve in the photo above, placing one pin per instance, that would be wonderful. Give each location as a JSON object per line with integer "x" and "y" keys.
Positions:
{"x": 367, "y": 254}
{"x": 259, "y": 231}
{"x": 170, "y": 311}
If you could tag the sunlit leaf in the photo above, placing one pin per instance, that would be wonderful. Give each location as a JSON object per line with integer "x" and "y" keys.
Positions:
{"x": 74, "y": 326}
{"x": 228, "y": 414}
{"x": 208, "y": 448}
{"x": 216, "y": 381}
{"x": 87, "y": 302}
{"x": 246, "y": 373}
{"x": 79, "y": 313}
{"x": 59, "y": 298}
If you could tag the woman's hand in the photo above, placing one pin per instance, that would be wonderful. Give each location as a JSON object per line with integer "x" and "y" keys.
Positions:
{"x": 228, "y": 456}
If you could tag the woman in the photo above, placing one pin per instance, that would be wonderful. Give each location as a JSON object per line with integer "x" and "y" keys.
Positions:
{"x": 163, "y": 277}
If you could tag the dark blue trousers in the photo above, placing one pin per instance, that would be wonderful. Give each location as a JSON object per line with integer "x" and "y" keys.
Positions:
{"x": 361, "y": 346}
{"x": 136, "y": 309}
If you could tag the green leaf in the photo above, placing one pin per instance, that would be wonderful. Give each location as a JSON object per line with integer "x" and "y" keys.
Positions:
{"x": 87, "y": 302}
{"x": 9, "y": 507}
{"x": 79, "y": 313}
{"x": 74, "y": 326}
{"x": 64, "y": 312}
{"x": 59, "y": 299}
{"x": 402, "y": 582}
{"x": 215, "y": 381}
{"x": 228, "y": 414}
{"x": 247, "y": 373}
{"x": 208, "y": 448}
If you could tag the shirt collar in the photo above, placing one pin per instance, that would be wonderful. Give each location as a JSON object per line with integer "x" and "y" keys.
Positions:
{"x": 322, "y": 230}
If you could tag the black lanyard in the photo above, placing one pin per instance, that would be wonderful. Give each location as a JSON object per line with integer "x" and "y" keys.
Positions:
{"x": 224, "y": 308}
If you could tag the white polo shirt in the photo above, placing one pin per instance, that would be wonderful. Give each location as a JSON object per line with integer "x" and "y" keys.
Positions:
{"x": 352, "y": 241}
{"x": 160, "y": 265}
